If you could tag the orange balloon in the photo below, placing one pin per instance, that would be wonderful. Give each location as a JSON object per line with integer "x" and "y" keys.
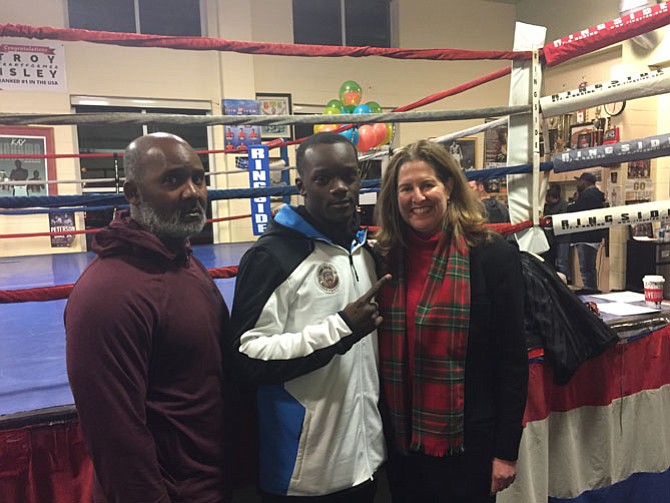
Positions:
{"x": 366, "y": 138}
{"x": 351, "y": 98}
{"x": 381, "y": 132}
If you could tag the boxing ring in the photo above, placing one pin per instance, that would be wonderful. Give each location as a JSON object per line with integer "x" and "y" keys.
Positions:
{"x": 605, "y": 436}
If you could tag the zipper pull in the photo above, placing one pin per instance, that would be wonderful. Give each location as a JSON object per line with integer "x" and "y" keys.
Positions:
{"x": 353, "y": 267}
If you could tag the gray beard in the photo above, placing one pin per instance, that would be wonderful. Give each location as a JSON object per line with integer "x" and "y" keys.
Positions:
{"x": 169, "y": 226}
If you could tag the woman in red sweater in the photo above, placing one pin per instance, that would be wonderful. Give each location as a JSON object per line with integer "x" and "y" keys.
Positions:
{"x": 452, "y": 346}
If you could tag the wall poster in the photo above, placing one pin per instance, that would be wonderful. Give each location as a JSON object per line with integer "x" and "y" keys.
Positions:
{"x": 21, "y": 148}
{"x": 463, "y": 150}
{"x": 275, "y": 104}
{"x": 62, "y": 221}
{"x": 495, "y": 146}
{"x": 639, "y": 186}
{"x": 32, "y": 66}
{"x": 241, "y": 136}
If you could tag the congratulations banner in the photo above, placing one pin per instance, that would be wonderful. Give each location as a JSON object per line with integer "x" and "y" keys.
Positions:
{"x": 32, "y": 66}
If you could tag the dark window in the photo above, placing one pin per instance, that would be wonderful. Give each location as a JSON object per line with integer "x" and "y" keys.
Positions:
{"x": 368, "y": 23}
{"x": 317, "y": 22}
{"x": 196, "y": 135}
{"x": 102, "y": 15}
{"x": 156, "y": 17}
{"x": 303, "y": 130}
{"x": 112, "y": 138}
{"x": 170, "y": 17}
{"x": 106, "y": 139}
{"x": 320, "y": 22}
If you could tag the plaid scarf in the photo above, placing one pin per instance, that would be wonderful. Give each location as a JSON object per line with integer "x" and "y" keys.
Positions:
{"x": 431, "y": 419}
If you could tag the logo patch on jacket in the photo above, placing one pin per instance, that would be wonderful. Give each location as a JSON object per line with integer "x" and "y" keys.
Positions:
{"x": 327, "y": 278}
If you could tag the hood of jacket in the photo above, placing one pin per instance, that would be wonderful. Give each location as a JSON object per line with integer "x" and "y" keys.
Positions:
{"x": 124, "y": 236}
{"x": 289, "y": 218}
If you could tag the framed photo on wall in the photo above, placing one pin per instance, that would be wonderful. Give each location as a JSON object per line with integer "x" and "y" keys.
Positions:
{"x": 37, "y": 171}
{"x": 584, "y": 140}
{"x": 495, "y": 146}
{"x": 582, "y": 135}
{"x": 275, "y": 104}
{"x": 238, "y": 137}
{"x": 463, "y": 150}
{"x": 552, "y": 146}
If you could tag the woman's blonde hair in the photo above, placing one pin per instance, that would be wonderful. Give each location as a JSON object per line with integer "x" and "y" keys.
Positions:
{"x": 464, "y": 215}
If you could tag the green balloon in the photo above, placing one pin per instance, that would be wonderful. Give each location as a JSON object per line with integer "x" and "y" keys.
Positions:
{"x": 350, "y": 93}
{"x": 332, "y": 111}
{"x": 375, "y": 107}
{"x": 334, "y": 103}
{"x": 349, "y": 109}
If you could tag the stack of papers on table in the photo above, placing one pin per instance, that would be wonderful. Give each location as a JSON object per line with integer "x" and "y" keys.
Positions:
{"x": 623, "y": 304}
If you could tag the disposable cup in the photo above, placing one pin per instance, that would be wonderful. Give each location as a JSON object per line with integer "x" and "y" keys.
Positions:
{"x": 653, "y": 290}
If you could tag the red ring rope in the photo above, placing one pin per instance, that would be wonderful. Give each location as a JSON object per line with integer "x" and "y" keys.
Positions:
{"x": 62, "y": 291}
{"x": 93, "y": 231}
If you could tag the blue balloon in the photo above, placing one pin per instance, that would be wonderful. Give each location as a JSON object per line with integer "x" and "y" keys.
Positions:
{"x": 362, "y": 109}
{"x": 354, "y": 140}
{"x": 351, "y": 135}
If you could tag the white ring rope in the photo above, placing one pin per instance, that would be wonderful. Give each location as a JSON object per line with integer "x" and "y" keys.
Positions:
{"x": 259, "y": 120}
{"x": 12, "y": 183}
{"x": 625, "y": 151}
{"x": 601, "y": 218}
{"x": 84, "y": 181}
{"x": 447, "y": 137}
{"x": 473, "y": 130}
{"x": 641, "y": 85}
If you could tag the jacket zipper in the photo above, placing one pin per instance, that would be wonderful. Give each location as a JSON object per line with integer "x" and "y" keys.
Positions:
{"x": 361, "y": 381}
{"x": 353, "y": 267}
{"x": 364, "y": 415}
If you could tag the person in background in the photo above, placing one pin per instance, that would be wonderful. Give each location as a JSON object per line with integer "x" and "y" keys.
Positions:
{"x": 19, "y": 174}
{"x": 3, "y": 178}
{"x": 588, "y": 242}
{"x": 452, "y": 344}
{"x": 143, "y": 340}
{"x": 304, "y": 330}
{"x": 559, "y": 253}
{"x": 35, "y": 188}
{"x": 456, "y": 152}
{"x": 496, "y": 212}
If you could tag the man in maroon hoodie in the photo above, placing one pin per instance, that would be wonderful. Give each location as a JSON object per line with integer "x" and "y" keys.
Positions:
{"x": 144, "y": 325}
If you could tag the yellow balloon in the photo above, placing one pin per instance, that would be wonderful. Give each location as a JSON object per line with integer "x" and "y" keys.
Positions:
{"x": 329, "y": 127}
{"x": 322, "y": 128}
{"x": 389, "y": 135}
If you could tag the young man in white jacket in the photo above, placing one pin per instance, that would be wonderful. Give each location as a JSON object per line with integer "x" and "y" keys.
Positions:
{"x": 304, "y": 323}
